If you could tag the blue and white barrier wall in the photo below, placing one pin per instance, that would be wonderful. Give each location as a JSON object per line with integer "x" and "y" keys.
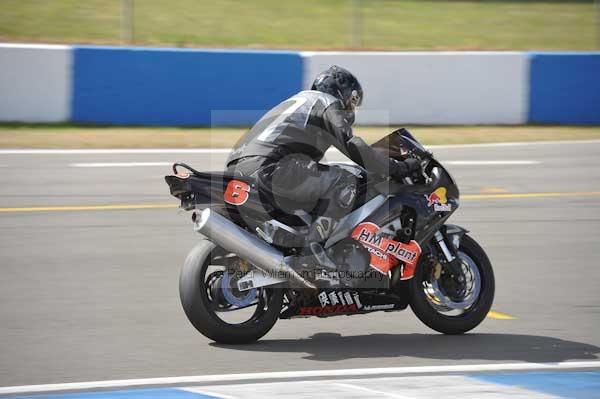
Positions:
{"x": 183, "y": 87}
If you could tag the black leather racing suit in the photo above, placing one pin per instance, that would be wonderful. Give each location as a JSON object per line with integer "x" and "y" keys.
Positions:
{"x": 284, "y": 148}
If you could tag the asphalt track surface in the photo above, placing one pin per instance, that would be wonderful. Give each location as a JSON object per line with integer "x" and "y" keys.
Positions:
{"x": 93, "y": 294}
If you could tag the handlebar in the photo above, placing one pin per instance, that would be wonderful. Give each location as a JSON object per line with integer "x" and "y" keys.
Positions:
{"x": 393, "y": 187}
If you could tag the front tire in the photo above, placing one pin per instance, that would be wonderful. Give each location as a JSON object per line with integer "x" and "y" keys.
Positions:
{"x": 472, "y": 316}
{"x": 201, "y": 310}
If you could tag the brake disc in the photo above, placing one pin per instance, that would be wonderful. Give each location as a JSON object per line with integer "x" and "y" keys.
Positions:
{"x": 471, "y": 295}
{"x": 231, "y": 294}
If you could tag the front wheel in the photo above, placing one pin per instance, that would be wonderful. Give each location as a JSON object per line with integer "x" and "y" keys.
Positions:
{"x": 214, "y": 305}
{"x": 440, "y": 305}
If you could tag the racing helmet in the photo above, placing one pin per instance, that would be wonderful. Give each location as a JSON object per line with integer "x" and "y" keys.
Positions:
{"x": 340, "y": 83}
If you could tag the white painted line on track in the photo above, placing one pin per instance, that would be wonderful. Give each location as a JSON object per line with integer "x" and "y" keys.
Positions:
{"x": 490, "y": 163}
{"x": 397, "y": 387}
{"x": 116, "y": 151}
{"x": 283, "y": 375}
{"x": 208, "y": 392}
{"x": 511, "y": 144}
{"x": 117, "y": 164}
{"x": 371, "y": 392}
{"x": 465, "y": 163}
{"x": 139, "y": 164}
{"x": 27, "y": 151}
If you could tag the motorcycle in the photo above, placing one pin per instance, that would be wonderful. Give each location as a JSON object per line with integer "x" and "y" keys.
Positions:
{"x": 392, "y": 251}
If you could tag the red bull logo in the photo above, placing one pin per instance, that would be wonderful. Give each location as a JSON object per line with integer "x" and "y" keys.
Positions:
{"x": 438, "y": 200}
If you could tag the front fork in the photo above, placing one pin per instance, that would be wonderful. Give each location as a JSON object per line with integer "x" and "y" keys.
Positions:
{"x": 447, "y": 240}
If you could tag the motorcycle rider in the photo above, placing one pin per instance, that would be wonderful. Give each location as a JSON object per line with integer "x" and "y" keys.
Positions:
{"x": 284, "y": 147}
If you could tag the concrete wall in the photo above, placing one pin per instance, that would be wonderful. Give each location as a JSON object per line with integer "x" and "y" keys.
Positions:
{"x": 35, "y": 83}
{"x": 434, "y": 88}
{"x": 183, "y": 87}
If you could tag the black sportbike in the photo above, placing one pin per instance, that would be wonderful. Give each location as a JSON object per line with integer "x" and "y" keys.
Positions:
{"x": 394, "y": 249}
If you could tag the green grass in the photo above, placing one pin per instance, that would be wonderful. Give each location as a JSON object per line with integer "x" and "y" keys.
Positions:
{"x": 309, "y": 24}
{"x": 68, "y": 136}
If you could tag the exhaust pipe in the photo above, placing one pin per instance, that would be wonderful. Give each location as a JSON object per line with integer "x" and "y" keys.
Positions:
{"x": 231, "y": 237}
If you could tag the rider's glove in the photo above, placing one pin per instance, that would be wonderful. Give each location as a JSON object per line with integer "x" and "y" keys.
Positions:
{"x": 402, "y": 169}
{"x": 414, "y": 165}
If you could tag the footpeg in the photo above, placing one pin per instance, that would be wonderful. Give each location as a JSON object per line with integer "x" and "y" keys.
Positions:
{"x": 320, "y": 255}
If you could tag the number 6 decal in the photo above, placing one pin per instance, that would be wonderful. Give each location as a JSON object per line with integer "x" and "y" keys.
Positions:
{"x": 236, "y": 192}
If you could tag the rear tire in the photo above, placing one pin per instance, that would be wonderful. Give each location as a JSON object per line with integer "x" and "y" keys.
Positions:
{"x": 197, "y": 305}
{"x": 471, "y": 317}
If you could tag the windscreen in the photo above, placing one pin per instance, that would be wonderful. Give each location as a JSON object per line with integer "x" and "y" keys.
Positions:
{"x": 398, "y": 144}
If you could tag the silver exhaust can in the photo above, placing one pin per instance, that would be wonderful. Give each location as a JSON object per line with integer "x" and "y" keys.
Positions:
{"x": 233, "y": 238}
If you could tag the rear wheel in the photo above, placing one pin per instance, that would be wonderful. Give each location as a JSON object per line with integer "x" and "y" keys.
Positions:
{"x": 214, "y": 306}
{"x": 441, "y": 305}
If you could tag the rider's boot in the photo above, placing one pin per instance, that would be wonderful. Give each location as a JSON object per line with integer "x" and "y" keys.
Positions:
{"x": 318, "y": 233}
{"x": 321, "y": 229}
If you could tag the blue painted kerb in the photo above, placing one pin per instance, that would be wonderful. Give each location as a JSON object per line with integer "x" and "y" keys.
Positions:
{"x": 571, "y": 384}
{"x": 139, "y": 86}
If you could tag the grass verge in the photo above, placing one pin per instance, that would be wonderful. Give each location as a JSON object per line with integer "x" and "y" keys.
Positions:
{"x": 310, "y": 24}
